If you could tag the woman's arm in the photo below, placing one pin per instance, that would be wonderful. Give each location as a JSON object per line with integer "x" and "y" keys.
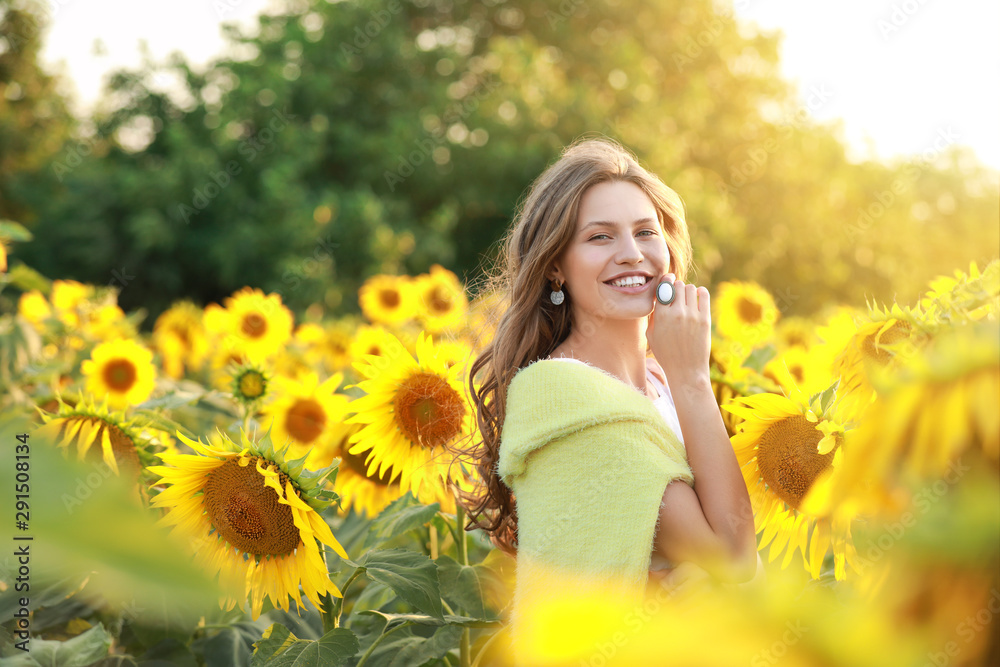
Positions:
{"x": 712, "y": 523}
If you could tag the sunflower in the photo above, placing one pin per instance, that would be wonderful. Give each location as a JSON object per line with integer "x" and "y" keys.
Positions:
{"x": 881, "y": 340}
{"x": 387, "y": 299}
{"x": 304, "y": 412}
{"x": 253, "y": 518}
{"x": 941, "y": 407}
{"x": 250, "y": 383}
{"x": 966, "y": 297}
{"x": 179, "y": 335}
{"x": 366, "y": 494}
{"x": 799, "y": 368}
{"x": 443, "y": 304}
{"x": 251, "y": 323}
{"x": 795, "y": 331}
{"x": 124, "y": 445}
{"x": 370, "y": 340}
{"x": 745, "y": 312}
{"x": 413, "y": 408}
{"x": 121, "y": 370}
{"x": 782, "y": 447}
{"x": 325, "y": 346}
{"x": 454, "y": 352}
{"x": 33, "y": 307}
{"x": 67, "y": 297}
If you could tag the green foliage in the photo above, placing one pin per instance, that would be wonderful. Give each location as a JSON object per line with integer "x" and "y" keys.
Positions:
{"x": 370, "y": 136}
{"x": 280, "y": 648}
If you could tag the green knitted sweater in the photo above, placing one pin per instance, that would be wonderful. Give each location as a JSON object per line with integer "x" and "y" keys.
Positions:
{"x": 587, "y": 458}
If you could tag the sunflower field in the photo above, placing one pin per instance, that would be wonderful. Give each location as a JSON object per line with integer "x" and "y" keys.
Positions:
{"x": 244, "y": 487}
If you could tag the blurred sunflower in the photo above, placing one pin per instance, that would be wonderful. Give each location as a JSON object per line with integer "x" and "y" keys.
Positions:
{"x": 966, "y": 297}
{"x": 250, "y": 385}
{"x": 454, "y": 352}
{"x": 442, "y": 299}
{"x": 483, "y": 318}
{"x": 122, "y": 371}
{"x": 252, "y": 323}
{"x": 67, "y": 297}
{"x": 799, "y": 368}
{"x": 179, "y": 336}
{"x": 253, "y": 518}
{"x": 97, "y": 433}
{"x": 940, "y": 407}
{"x": 366, "y": 494}
{"x": 412, "y": 409}
{"x": 325, "y": 346}
{"x": 745, "y": 312}
{"x": 370, "y": 340}
{"x": 304, "y": 412}
{"x": 782, "y": 447}
{"x": 877, "y": 339}
{"x": 795, "y": 331}
{"x": 388, "y": 299}
{"x": 34, "y": 307}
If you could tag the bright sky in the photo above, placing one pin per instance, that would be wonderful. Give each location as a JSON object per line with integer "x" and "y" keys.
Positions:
{"x": 897, "y": 71}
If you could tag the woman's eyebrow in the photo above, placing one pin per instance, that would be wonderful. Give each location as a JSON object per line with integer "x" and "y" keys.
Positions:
{"x": 609, "y": 223}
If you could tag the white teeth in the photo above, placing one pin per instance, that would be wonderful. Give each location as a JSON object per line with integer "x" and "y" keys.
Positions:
{"x": 630, "y": 281}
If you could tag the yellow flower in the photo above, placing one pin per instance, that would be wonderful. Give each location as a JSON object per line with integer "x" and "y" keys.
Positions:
{"x": 67, "y": 297}
{"x": 795, "y": 331}
{"x": 304, "y": 412}
{"x": 798, "y": 368}
{"x": 782, "y": 447}
{"x": 97, "y": 433}
{"x": 326, "y": 346}
{"x": 253, "y": 518}
{"x": 880, "y": 340}
{"x": 745, "y": 312}
{"x": 443, "y": 303}
{"x": 122, "y": 371}
{"x": 966, "y": 297}
{"x": 369, "y": 340}
{"x": 251, "y": 323}
{"x": 368, "y": 494}
{"x": 388, "y": 299}
{"x": 179, "y": 336}
{"x": 33, "y": 307}
{"x": 412, "y": 409}
{"x": 940, "y": 407}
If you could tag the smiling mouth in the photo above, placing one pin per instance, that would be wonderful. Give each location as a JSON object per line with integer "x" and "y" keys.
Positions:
{"x": 631, "y": 281}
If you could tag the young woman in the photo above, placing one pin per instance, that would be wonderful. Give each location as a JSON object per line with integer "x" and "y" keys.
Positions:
{"x": 599, "y": 459}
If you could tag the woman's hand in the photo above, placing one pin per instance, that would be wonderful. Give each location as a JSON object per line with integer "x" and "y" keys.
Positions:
{"x": 680, "y": 335}
{"x": 682, "y": 581}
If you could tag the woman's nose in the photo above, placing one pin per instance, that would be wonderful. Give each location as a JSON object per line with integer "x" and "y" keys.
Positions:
{"x": 629, "y": 251}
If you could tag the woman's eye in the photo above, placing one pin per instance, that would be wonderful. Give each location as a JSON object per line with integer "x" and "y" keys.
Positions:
{"x": 599, "y": 236}
{"x": 648, "y": 232}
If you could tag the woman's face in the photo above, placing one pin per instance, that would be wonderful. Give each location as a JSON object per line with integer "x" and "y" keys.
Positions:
{"x": 617, "y": 236}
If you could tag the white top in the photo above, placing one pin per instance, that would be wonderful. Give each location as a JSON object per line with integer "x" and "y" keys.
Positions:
{"x": 664, "y": 402}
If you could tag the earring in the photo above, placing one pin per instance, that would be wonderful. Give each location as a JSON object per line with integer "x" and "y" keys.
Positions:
{"x": 557, "y": 296}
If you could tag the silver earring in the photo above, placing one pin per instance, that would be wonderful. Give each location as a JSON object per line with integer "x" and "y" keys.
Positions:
{"x": 557, "y": 296}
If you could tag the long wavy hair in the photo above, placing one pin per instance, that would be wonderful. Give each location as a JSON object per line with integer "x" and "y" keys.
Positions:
{"x": 531, "y": 326}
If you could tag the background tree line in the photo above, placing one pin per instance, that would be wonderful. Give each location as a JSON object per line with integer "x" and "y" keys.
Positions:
{"x": 369, "y": 136}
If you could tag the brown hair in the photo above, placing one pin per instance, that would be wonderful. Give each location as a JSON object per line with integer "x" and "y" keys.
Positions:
{"x": 531, "y": 326}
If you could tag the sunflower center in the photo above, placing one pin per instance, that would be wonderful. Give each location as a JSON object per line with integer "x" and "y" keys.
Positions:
{"x": 749, "y": 311}
{"x": 305, "y": 420}
{"x": 246, "y": 513}
{"x": 389, "y": 298}
{"x": 788, "y": 460}
{"x": 251, "y": 384}
{"x": 428, "y": 410}
{"x": 872, "y": 350}
{"x": 254, "y": 325}
{"x": 119, "y": 374}
{"x": 440, "y": 299}
{"x": 356, "y": 462}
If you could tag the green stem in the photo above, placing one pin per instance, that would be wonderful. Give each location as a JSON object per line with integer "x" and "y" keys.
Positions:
{"x": 331, "y": 619}
{"x": 463, "y": 649}
{"x": 463, "y": 545}
{"x": 379, "y": 641}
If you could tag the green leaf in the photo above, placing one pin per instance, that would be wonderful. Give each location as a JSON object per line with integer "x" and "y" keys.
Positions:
{"x": 468, "y": 587}
{"x": 172, "y": 400}
{"x": 759, "y": 357}
{"x": 26, "y": 278}
{"x": 402, "y": 515}
{"x": 405, "y": 648}
{"x": 826, "y": 398}
{"x": 280, "y": 648}
{"x": 229, "y": 648}
{"x": 14, "y": 231}
{"x": 412, "y": 575}
{"x": 80, "y": 651}
{"x": 424, "y": 619}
